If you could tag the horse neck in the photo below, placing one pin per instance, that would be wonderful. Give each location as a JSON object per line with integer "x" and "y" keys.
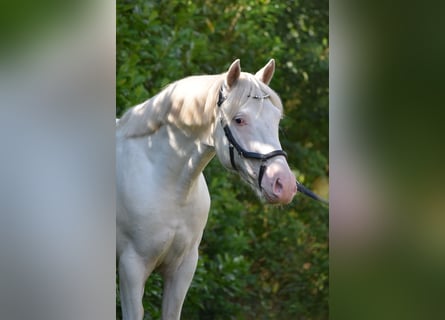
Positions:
{"x": 179, "y": 158}
{"x": 178, "y": 123}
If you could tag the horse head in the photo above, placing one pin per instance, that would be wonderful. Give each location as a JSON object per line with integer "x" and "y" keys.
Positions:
{"x": 246, "y": 133}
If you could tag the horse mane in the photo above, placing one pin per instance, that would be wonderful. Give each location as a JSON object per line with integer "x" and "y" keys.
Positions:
{"x": 190, "y": 104}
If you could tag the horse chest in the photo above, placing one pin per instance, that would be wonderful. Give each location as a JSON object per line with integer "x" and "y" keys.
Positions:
{"x": 181, "y": 231}
{"x": 164, "y": 226}
{"x": 189, "y": 217}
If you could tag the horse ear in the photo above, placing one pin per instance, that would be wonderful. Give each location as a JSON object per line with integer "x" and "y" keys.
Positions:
{"x": 233, "y": 73}
{"x": 266, "y": 73}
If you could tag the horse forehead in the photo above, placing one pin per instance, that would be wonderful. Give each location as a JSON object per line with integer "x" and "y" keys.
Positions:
{"x": 261, "y": 109}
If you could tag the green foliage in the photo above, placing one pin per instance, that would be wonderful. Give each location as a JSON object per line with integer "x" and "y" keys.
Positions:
{"x": 256, "y": 261}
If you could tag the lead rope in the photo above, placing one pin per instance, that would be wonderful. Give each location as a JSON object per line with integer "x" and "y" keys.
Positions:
{"x": 310, "y": 194}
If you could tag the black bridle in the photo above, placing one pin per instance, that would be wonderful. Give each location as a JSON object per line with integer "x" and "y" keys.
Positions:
{"x": 233, "y": 144}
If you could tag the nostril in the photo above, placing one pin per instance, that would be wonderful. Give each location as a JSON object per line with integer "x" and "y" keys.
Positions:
{"x": 278, "y": 187}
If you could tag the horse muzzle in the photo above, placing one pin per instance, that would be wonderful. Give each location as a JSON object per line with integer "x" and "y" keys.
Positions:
{"x": 278, "y": 184}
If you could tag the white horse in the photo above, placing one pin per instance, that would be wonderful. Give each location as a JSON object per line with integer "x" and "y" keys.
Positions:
{"x": 163, "y": 145}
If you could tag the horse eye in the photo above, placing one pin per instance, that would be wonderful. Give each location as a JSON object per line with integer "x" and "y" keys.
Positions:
{"x": 239, "y": 121}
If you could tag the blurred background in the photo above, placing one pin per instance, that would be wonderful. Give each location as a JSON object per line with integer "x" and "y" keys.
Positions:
{"x": 256, "y": 261}
{"x": 57, "y": 208}
{"x": 387, "y": 205}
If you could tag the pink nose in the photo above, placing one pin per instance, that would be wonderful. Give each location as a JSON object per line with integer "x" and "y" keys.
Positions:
{"x": 279, "y": 184}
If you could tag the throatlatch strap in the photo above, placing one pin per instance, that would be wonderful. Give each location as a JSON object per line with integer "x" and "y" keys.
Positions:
{"x": 232, "y": 157}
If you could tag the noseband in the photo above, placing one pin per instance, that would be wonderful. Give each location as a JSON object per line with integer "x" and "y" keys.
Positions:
{"x": 233, "y": 144}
